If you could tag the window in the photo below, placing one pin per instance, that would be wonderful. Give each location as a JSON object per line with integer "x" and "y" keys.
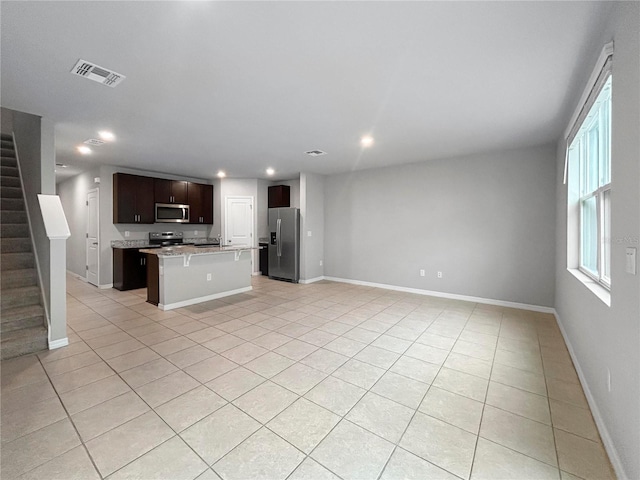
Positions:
{"x": 589, "y": 155}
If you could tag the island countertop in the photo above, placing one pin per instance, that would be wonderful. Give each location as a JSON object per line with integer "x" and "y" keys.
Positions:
{"x": 178, "y": 250}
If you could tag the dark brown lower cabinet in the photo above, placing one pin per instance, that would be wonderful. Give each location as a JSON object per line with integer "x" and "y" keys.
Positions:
{"x": 129, "y": 269}
{"x": 153, "y": 280}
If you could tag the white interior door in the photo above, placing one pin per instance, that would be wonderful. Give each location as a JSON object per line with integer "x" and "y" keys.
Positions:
{"x": 93, "y": 234}
{"x": 238, "y": 228}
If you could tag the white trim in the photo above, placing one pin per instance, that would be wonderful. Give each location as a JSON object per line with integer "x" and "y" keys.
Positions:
{"x": 453, "y": 296}
{"x": 602, "y": 427}
{"x": 607, "y": 51}
{"x": 312, "y": 280}
{"x": 86, "y": 242}
{"x": 62, "y": 342}
{"x": 206, "y": 298}
{"x": 103, "y": 287}
{"x": 256, "y": 274}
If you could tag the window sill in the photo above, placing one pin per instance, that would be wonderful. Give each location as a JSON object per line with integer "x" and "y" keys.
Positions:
{"x": 598, "y": 290}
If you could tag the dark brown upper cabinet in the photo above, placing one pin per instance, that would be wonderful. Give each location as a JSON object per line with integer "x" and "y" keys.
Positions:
{"x": 200, "y": 199}
{"x": 279, "y": 196}
{"x": 133, "y": 200}
{"x": 170, "y": 191}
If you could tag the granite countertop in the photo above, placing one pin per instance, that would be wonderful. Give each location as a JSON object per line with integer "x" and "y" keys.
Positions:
{"x": 145, "y": 243}
{"x": 193, "y": 250}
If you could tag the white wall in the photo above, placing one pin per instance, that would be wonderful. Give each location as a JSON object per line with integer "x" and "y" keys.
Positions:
{"x": 486, "y": 221}
{"x": 311, "y": 221}
{"x": 608, "y": 338}
{"x": 242, "y": 187}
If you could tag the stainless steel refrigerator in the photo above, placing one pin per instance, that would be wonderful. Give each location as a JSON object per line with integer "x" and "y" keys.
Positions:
{"x": 284, "y": 244}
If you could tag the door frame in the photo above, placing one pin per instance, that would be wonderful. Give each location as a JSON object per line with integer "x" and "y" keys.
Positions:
{"x": 86, "y": 236}
{"x": 253, "y": 222}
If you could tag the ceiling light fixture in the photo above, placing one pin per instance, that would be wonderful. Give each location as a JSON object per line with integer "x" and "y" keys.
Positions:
{"x": 270, "y": 171}
{"x": 366, "y": 141}
{"x": 107, "y": 136}
{"x": 84, "y": 150}
{"x": 221, "y": 174}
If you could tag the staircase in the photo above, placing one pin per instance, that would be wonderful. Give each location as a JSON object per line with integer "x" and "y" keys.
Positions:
{"x": 22, "y": 322}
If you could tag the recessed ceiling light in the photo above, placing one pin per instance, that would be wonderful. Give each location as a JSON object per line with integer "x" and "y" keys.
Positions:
{"x": 221, "y": 174}
{"x": 366, "y": 141}
{"x": 270, "y": 171}
{"x": 107, "y": 136}
{"x": 84, "y": 150}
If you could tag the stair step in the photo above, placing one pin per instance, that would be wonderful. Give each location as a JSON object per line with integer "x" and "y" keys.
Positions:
{"x": 25, "y": 277}
{"x": 6, "y": 143}
{"x": 10, "y": 192}
{"x": 10, "y": 172}
{"x": 11, "y": 204}
{"x": 8, "y": 152}
{"x": 10, "y": 180}
{"x": 19, "y": 297}
{"x": 23, "y": 342}
{"x": 16, "y": 261}
{"x": 8, "y": 162}
{"x": 14, "y": 216}
{"x": 21, "y": 317}
{"x": 14, "y": 230}
{"x": 15, "y": 245}
{"x": 6, "y": 136}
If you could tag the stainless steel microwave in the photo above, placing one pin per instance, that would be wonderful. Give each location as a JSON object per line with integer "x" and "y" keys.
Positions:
{"x": 172, "y": 213}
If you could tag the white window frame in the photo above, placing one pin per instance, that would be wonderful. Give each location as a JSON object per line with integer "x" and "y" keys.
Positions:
{"x": 600, "y": 76}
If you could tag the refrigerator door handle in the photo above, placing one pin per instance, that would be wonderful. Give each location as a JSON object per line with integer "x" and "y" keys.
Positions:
{"x": 278, "y": 238}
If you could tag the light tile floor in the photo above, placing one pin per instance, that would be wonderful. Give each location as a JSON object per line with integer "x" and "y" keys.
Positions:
{"x": 318, "y": 381}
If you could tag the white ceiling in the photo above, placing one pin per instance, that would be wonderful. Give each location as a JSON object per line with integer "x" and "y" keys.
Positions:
{"x": 241, "y": 86}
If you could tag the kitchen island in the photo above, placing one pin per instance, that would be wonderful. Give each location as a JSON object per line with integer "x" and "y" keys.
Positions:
{"x": 185, "y": 275}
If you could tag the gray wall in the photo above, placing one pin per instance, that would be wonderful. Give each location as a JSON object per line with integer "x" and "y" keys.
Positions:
{"x": 312, "y": 220}
{"x": 33, "y": 167}
{"x": 73, "y": 195}
{"x": 486, "y": 221}
{"x": 603, "y": 337}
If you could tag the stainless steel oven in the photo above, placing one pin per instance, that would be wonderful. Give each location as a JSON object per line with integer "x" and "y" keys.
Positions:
{"x": 172, "y": 213}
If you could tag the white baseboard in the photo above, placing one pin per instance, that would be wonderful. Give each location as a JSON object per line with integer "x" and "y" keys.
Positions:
{"x": 79, "y": 277}
{"x": 312, "y": 280}
{"x": 255, "y": 274}
{"x": 193, "y": 301}
{"x": 62, "y": 342}
{"x": 602, "y": 427}
{"x": 453, "y": 296}
{"x": 105, "y": 286}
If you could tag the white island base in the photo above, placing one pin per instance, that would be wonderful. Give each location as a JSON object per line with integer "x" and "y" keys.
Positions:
{"x": 185, "y": 276}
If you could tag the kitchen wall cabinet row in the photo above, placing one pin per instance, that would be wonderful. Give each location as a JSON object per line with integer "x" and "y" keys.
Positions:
{"x": 135, "y": 196}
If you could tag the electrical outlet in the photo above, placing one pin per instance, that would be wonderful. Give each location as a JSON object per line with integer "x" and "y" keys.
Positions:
{"x": 308, "y": 233}
{"x": 195, "y": 233}
{"x": 126, "y": 233}
{"x": 208, "y": 277}
{"x": 320, "y": 262}
{"x": 422, "y": 273}
{"x": 439, "y": 274}
{"x": 609, "y": 380}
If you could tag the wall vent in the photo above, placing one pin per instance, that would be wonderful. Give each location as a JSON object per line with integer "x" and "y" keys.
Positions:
{"x": 97, "y": 74}
{"x": 94, "y": 142}
{"x": 315, "y": 153}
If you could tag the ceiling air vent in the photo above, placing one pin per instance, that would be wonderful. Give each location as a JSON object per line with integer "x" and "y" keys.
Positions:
{"x": 315, "y": 153}
{"x": 97, "y": 74}
{"x": 94, "y": 142}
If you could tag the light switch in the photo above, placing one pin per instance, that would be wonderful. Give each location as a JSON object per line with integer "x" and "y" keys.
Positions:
{"x": 308, "y": 233}
{"x": 126, "y": 233}
{"x": 631, "y": 260}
